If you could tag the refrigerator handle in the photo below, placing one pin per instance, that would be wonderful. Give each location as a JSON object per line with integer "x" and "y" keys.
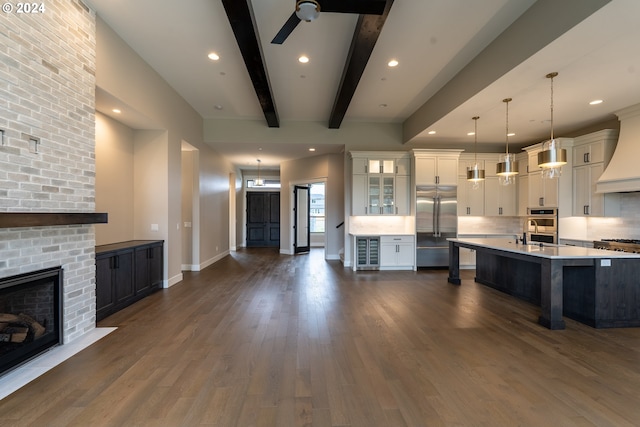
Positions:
{"x": 436, "y": 215}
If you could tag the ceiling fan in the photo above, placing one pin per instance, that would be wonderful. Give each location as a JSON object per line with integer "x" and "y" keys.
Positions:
{"x": 308, "y": 10}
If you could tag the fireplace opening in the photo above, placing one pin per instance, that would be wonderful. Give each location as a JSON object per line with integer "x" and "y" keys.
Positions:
{"x": 30, "y": 315}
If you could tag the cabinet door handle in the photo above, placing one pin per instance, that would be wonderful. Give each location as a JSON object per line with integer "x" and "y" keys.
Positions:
{"x": 365, "y": 210}
{"x": 541, "y": 201}
{"x": 585, "y": 209}
{"x": 437, "y": 179}
{"x": 499, "y": 211}
{"x": 366, "y": 168}
{"x": 587, "y": 157}
{"x": 468, "y": 210}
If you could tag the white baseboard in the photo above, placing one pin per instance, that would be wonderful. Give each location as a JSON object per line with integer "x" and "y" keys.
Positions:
{"x": 207, "y": 263}
{"x": 286, "y": 252}
{"x": 332, "y": 257}
{"x": 172, "y": 281}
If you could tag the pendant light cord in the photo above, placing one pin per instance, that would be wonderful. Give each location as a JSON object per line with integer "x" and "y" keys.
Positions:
{"x": 551, "y": 76}
{"x": 475, "y": 143}
{"x": 506, "y": 101}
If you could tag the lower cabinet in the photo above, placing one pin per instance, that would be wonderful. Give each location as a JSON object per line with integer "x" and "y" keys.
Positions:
{"x": 125, "y": 273}
{"x": 397, "y": 252}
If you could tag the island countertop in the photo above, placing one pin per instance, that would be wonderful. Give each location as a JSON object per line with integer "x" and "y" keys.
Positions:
{"x": 545, "y": 251}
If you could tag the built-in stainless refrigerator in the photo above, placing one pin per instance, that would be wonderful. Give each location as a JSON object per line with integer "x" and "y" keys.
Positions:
{"x": 436, "y": 220}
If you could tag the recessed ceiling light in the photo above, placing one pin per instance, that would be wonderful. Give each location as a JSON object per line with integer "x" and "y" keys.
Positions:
{"x": 218, "y": 107}
{"x": 116, "y": 110}
{"x": 213, "y": 56}
{"x": 312, "y": 149}
{"x": 432, "y": 132}
{"x": 303, "y": 59}
{"x": 470, "y": 133}
{"x": 596, "y": 102}
{"x": 511, "y": 134}
{"x": 393, "y": 63}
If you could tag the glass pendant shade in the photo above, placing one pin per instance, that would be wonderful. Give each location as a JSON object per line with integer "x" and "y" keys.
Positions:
{"x": 507, "y": 169}
{"x": 307, "y": 10}
{"x": 554, "y": 157}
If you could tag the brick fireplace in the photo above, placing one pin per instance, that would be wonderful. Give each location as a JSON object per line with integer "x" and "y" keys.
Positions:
{"x": 47, "y": 149}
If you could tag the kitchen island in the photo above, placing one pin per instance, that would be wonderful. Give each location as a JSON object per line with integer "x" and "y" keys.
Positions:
{"x": 596, "y": 287}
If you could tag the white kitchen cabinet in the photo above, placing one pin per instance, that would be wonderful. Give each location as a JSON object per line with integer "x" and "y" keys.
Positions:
{"x": 397, "y": 252}
{"x": 543, "y": 192}
{"x": 550, "y": 192}
{"x": 500, "y": 200}
{"x": 380, "y": 183}
{"x": 591, "y": 155}
{"x": 436, "y": 167}
{"x": 523, "y": 194}
{"x": 470, "y": 200}
{"x": 402, "y": 194}
{"x": 359, "y": 194}
{"x": 586, "y": 202}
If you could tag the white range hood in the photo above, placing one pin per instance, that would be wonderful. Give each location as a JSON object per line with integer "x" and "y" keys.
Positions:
{"x": 623, "y": 172}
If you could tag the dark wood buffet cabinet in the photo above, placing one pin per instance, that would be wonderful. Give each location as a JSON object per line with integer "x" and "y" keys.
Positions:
{"x": 125, "y": 273}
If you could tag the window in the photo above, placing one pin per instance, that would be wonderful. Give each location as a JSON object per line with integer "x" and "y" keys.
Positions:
{"x": 267, "y": 183}
{"x": 316, "y": 212}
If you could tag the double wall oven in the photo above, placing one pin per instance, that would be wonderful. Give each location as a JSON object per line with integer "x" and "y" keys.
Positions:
{"x": 541, "y": 225}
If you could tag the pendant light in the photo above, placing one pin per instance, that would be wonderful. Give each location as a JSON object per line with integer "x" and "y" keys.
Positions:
{"x": 507, "y": 167}
{"x": 554, "y": 157}
{"x": 474, "y": 173}
{"x": 259, "y": 182}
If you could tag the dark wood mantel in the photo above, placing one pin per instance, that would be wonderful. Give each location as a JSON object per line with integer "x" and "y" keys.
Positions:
{"x": 40, "y": 219}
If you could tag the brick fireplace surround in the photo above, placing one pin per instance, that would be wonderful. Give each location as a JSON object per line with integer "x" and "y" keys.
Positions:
{"x": 47, "y": 149}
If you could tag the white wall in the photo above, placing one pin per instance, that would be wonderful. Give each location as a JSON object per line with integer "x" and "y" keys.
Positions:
{"x": 114, "y": 180}
{"x": 124, "y": 76}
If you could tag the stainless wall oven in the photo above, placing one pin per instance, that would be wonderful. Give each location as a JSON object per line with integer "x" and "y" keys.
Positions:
{"x": 542, "y": 225}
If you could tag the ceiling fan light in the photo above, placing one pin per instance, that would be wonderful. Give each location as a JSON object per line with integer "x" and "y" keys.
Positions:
{"x": 307, "y": 10}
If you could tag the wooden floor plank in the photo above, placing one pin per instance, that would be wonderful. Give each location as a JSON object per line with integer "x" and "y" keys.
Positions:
{"x": 263, "y": 339}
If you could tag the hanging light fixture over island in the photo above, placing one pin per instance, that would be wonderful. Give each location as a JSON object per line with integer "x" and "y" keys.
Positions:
{"x": 475, "y": 173}
{"x": 507, "y": 167}
{"x": 554, "y": 157}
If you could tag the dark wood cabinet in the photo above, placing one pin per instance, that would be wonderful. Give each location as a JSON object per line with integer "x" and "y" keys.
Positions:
{"x": 125, "y": 273}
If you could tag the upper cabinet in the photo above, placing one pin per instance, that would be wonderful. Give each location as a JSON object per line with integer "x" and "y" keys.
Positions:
{"x": 591, "y": 155}
{"x": 550, "y": 192}
{"x": 488, "y": 197}
{"x": 436, "y": 167}
{"x": 380, "y": 183}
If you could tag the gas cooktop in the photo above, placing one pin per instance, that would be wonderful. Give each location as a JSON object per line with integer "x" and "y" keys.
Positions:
{"x": 621, "y": 245}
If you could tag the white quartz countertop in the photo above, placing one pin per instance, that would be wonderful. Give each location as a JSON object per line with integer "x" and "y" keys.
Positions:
{"x": 382, "y": 233}
{"x": 546, "y": 250}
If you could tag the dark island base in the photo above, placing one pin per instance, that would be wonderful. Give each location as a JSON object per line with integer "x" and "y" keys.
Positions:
{"x": 613, "y": 303}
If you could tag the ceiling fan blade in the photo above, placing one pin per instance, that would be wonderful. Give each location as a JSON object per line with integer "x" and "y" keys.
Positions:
{"x": 286, "y": 29}
{"x": 363, "y": 7}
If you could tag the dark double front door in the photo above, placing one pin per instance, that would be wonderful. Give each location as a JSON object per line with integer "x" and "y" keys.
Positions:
{"x": 263, "y": 219}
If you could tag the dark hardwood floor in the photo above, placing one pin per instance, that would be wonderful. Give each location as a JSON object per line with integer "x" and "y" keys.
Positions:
{"x": 261, "y": 339}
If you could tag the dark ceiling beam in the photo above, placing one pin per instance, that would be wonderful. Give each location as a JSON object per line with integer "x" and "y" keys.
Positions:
{"x": 364, "y": 40}
{"x": 541, "y": 24}
{"x": 241, "y": 19}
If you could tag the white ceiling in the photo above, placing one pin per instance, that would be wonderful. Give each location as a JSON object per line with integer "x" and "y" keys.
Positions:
{"x": 433, "y": 40}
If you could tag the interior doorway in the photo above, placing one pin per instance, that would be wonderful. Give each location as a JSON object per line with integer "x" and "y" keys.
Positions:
{"x": 190, "y": 210}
